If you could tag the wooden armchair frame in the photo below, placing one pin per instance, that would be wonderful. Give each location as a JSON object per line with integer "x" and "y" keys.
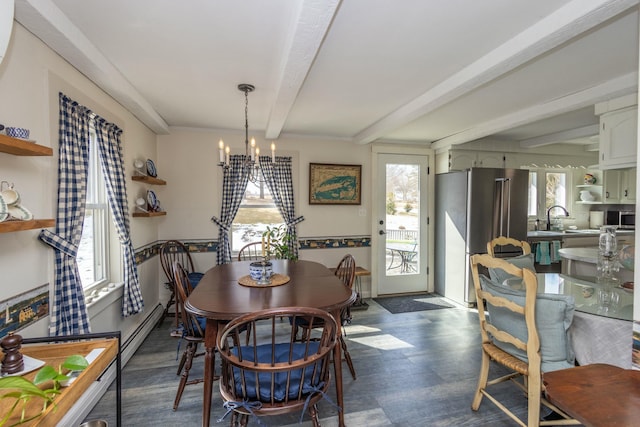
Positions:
{"x": 274, "y": 373}
{"x": 507, "y": 241}
{"x": 529, "y": 372}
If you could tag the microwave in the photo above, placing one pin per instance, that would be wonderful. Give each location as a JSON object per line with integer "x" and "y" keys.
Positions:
{"x": 625, "y": 220}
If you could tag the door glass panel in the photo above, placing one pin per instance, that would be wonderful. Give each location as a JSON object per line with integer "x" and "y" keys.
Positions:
{"x": 402, "y": 219}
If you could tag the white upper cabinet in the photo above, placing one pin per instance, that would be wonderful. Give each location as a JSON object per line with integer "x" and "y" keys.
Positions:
{"x": 618, "y": 132}
{"x": 465, "y": 159}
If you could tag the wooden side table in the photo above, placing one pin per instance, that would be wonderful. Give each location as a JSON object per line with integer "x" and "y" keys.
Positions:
{"x": 53, "y": 354}
{"x": 597, "y": 395}
{"x": 359, "y": 304}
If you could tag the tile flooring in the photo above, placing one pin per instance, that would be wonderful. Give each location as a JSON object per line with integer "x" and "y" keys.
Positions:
{"x": 414, "y": 369}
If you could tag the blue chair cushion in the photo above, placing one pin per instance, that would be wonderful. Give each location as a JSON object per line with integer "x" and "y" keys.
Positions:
{"x": 194, "y": 278}
{"x": 264, "y": 353}
{"x": 554, "y": 314}
{"x": 522, "y": 261}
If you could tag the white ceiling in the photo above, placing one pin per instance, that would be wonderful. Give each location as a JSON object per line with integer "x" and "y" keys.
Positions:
{"x": 432, "y": 72}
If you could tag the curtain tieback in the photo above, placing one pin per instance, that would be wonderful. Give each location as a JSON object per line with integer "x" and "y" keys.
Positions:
{"x": 58, "y": 243}
{"x": 295, "y": 221}
{"x": 219, "y": 223}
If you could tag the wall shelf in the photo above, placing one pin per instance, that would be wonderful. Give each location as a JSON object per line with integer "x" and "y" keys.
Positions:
{"x": 19, "y": 147}
{"x": 148, "y": 214}
{"x": 10, "y": 226}
{"x": 149, "y": 180}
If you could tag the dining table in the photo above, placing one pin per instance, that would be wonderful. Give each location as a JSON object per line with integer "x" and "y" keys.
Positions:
{"x": 597, "y": 395}
{"x": 220, "y": 297}
{"x": 602, "y": 326}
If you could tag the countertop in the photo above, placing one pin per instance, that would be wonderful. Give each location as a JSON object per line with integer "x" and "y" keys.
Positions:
{"x": 589, "y": 255}
{"x": 573, "y": 233}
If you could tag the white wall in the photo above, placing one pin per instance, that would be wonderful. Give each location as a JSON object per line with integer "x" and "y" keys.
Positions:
{"x": 187, "y": 160}
{"x": 31, "y": 75}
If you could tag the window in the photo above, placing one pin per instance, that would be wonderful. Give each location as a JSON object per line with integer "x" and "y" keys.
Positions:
{"x": 548, "y": 186}
{"x": 93, "y": 250}
{"x": 256, "y": 212}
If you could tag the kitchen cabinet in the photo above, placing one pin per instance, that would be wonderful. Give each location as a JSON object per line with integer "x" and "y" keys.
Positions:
{"x": 618, "y": 138}
{"x": 628, "y": 186}
{"x": 612, "y": 186}
{"x": 620, "y": 186}
{"x": 465, "y": 159}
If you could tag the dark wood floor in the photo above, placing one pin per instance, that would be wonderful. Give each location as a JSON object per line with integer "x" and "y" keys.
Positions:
{"x": 414, "y": 369}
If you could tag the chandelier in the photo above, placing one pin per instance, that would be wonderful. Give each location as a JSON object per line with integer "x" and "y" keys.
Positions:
{"x": 251, "y": 164}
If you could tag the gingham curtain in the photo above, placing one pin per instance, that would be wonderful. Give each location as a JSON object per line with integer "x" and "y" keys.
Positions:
{"x": 234, "y": 184}
{"x": 69, "y": 312}
{"x": 279, "y": 179}
{"x": 111, "y": 160}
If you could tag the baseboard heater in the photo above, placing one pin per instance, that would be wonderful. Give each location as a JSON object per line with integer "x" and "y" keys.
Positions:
{"x": 92, "y": 396}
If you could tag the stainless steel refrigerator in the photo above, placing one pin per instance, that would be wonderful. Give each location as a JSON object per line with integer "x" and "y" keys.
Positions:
{"x": 472, "y": 207}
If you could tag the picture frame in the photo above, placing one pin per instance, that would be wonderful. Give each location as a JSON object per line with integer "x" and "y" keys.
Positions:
{"x": 335, "y": 184}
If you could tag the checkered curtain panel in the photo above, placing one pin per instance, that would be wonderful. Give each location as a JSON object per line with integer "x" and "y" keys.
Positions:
{"x": 279, "y": 179}
{"x": 69, "y": 312}
{"x": 234, "y": 184}
{"x": 111, "y": 159}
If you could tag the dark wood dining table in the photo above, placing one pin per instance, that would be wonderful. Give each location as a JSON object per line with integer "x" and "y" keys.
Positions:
{"x": 220, "y": 298}
{"x": 597, "y": 395}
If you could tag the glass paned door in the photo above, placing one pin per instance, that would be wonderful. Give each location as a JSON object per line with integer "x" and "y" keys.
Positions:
{"x": 402, "y": 214}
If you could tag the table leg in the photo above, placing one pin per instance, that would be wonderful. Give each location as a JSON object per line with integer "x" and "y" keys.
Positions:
{"x": 337, "y": 366}
{"x": 210, "y": 334}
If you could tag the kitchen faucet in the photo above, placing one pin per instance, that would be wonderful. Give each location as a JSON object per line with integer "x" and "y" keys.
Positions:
{"x": 566, "y": 212}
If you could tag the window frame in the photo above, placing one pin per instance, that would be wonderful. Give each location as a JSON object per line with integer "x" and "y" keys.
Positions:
{"x": 101, "y": 217}
{"x": 541, "y": 186}
{"x": 263, "y": 189}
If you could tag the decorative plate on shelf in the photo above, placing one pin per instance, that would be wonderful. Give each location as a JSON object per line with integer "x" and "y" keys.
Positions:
{"x": 20, "y": 212}
{"x": 152, "y": 200}
{"x": 4, "y": 211}
{"x": 151, "y": 168}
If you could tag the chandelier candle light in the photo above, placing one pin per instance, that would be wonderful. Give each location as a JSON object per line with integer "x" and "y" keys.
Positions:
{"x": 252, "y": 151}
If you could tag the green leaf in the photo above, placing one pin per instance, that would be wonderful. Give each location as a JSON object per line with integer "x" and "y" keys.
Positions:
{"x": 75, "y": 363}
{"x": 19, "y": 383}
{"x": 47, "y": 373}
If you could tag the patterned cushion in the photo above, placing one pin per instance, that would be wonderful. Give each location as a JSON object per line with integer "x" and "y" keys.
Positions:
{"x": 280, "y": 382}
{"x": 554, "y": 314}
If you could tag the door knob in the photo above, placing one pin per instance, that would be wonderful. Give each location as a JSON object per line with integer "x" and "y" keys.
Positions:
{"x": 381, "y": 232}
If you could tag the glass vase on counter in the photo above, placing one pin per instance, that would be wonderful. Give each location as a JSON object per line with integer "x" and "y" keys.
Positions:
{"x": 607, "y": 265}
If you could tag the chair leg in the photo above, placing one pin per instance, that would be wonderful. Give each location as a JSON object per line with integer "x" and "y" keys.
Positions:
{"x": 190, "y": 351}
{"x": 183, "y": 359}
{"x": 347, "y": 357}
{"x": 313, "y": 412}
{"x": 482, "y": 381}
{"x": 533, "y": 394}
{"x": 165, "y": 312}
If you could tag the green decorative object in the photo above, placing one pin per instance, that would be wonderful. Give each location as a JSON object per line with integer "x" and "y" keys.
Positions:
{"x": 589, "y": 179}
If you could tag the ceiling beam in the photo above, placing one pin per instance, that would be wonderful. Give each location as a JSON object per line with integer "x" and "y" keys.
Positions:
{"x": 44, "y": 19}
{"x": 568, "y": 22}
{"x": 313, "y": 23}
{"x": 565, "y": 135}
{"x": 617, "y": 87}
